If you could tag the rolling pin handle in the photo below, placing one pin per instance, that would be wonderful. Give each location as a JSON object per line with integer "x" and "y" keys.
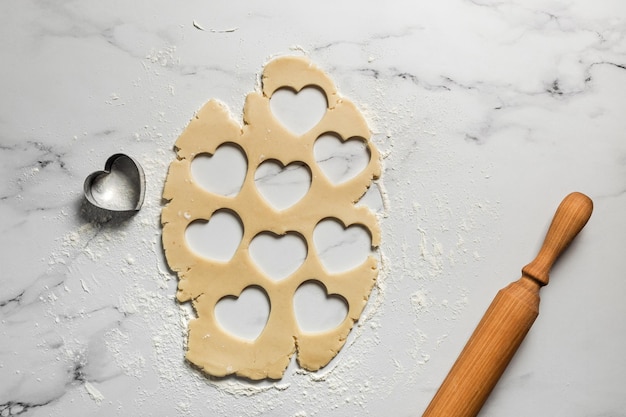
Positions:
{"x": 569, "y": 219}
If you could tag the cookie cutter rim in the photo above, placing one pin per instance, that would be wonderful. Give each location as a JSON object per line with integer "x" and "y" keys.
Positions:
{"x": 108, "y": 165}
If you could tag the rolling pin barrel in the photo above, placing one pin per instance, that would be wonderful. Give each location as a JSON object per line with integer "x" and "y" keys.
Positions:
{"x": 507, "y": 321}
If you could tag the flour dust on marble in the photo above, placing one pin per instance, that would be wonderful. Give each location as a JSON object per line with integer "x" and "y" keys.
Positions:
{"x": 106, "y": 315}
{"x": 120, "y": 323}
{"x": 107, "y": 295}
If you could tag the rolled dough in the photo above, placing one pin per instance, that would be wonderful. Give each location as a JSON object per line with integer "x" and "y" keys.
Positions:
{"x": 205, "y": 282}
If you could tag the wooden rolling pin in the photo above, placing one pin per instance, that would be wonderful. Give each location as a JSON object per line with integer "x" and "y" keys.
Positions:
{"x": 507, "y": 320}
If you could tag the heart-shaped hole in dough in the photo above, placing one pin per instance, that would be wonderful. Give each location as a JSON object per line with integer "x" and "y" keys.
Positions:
{"x": 216, "y": 239}
{"x": 341, "y": 248}
{"x": 341, "y": 160}
{"x": 282, "y": 186}
{"x": 222, "y": 173}
{"x": 299, "y": 111}
{"x": 278, "y": 256}
{"x": 316, "y": 310}
{"x": 244, "y": 316}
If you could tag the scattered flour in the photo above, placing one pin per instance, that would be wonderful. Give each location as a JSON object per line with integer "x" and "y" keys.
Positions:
{"x": 93, "y": 392}
{"x": 146, "y": 296}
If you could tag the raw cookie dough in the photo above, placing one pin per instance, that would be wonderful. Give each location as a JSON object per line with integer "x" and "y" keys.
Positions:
{"x": 204, "y": 282}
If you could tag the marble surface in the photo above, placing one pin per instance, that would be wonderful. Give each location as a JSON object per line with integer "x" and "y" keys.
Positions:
{"x": 487, "y": 114}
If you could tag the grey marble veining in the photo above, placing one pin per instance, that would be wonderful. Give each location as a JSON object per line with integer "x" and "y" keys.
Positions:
{"x": 486, "y": 113}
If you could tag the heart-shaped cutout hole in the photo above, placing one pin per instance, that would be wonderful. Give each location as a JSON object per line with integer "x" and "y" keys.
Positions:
{"x": 315, "y": 310}
{"x": 341, "y": 160}
{"x": 244, "y": 316}
{"x": 282, "y": 185}
{"x": 120, "y": 187}
{"x": 278, "y": 256}
{"x": 299, "y": 111}
{"x": 341, "y": 248}
{"x": 222, "y": 173}
{"x": 216, "y": 239}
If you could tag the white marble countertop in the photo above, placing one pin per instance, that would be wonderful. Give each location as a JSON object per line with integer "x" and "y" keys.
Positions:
{"x": 487, "y": 114}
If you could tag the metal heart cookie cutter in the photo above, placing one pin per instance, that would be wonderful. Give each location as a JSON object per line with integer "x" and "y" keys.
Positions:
{"x": 120, "y": 187}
